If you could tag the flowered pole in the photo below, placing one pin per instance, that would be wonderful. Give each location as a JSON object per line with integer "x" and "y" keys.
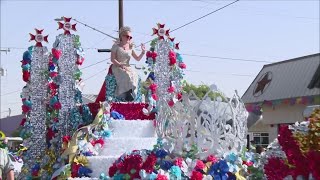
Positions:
{"x": 168, "y": 73}
{"x": 34, "y": 65}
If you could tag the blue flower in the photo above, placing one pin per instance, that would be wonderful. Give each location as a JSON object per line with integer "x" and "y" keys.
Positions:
{"x": 27, "y": 56}
{"x": 219, "y": 170}
{"x": 116, "y": 115}
{"x": 106, "y": 133}
{"x": 161, "y": 153}
{"x": 166, "y": 165}
{"x": 176, "y": 172}
{"x": 84, "y": 171}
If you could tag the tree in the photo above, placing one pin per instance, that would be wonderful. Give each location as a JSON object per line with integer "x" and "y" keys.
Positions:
{"x": 201, "y": 90}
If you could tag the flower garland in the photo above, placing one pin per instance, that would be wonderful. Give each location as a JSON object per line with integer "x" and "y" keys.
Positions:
{"x": 300, "y": 143}
{"x": 160, "y": 164}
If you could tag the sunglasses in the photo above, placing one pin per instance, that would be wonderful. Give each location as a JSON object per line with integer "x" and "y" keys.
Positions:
{"x": 128, "y": 37}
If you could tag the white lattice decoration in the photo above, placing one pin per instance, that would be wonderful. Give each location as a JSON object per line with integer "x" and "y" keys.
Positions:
{"x": 215, "y": 126}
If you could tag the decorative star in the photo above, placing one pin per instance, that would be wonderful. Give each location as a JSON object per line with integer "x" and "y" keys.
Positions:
{"x": 160, "y": 31}
{"x": 38, "y": 37}
{"x": 67, "y": 26}
{"x": 262, "y": 84}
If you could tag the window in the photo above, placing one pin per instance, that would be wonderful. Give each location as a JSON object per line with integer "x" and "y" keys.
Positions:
{"x": 261, "y": 139}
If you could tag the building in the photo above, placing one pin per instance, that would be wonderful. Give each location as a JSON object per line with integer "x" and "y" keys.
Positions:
{"x": 282, "y": 91}
{"x": 9, "y": 124}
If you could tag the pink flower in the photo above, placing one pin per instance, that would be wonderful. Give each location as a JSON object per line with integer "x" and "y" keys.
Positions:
{"x": 53, "y": 74}
{"x": 212, "y": 158}
{"x": 162, "y": 177}
{"x": 171, "y": 103}
{"x": 171, "y": 89}
{"x": 200, "y": 165}
{"x": 154, "y": 96}
{"x": 154, "y": 55}
{"x": 179, "y": 96}
{"x": 56, "y": 53}
{"x": 182, "y": 65}
{"x": 178, "y": 162}
{"x": 153, "y": 87}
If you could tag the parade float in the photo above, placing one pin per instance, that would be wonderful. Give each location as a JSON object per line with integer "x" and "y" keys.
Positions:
{"x": 169, "y": 135}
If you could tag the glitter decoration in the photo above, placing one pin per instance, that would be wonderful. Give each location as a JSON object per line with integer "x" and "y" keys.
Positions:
{"x": 111, "y": 85}
{"x": 67, "y": 91}
{"x": 163, "y": 73}
{"x": 33, "y": 96}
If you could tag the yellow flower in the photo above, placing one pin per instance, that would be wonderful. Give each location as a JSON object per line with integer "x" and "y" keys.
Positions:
{"x": 81, "y": 160}
{"x": 239, "y": 177}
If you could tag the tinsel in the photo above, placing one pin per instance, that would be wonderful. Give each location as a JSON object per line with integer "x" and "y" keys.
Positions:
{"x": 34, "y": 95}
{"x": 111, "y": 85}
{"x": 163, "y": 74}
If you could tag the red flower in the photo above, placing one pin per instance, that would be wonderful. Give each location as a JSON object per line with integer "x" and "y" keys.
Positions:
{"x": 212, "y": 158}
{"x": 23, "y": 121}
{"x": 66, "y": 139}
{"x": 313, "y": 162}
{"x": 149, "y": 163}
{"x": 149, "y": 53}
{"x": 80, "y": 60}
{"x": 25, "y": 109}
{"x": 162, "y": 177}
{"x": 178, "y": 162}
{"x": 172, "y": 58}
{"x": 53, "y": 74}
{"x": 75, "y": 169}
{"x": 57, "y": 106}
{"x": 182, "y": 65}
{"x": 171, "y": 89}
{"x": 154, "y": 96}
{"x": 53, "y": 86}
{"x": 196, "y": 175}
{"x": 154, "y": 55}
{"x": 24, "y": 62}
{"x": 276, "y": 169}
{"x": 56, "y": 53}
{"x": 171, "y": 103}
{"x": 26, "y": 76}
{"x": 153, "y": 87}
{"x": 50, "y": 133}
{"x": 112, "y": 170}
{"x": 35, "y": 173}
{"x": 99, "y": 141}
{"x": 179, "y": 96}
{"x": 200, "y": 165}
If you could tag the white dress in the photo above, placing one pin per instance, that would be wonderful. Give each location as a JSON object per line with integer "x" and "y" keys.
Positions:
{"x": 126, "y": 79}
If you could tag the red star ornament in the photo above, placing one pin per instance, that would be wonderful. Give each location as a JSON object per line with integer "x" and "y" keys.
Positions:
{"x": 67, "y": 26}
{"x": 39, "y": 38}
{"x": 176, "y": 46}
{"x": 160, "y": 31}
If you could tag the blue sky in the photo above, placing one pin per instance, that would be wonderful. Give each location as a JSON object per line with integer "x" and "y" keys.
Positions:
{"x": 258, "y": 30}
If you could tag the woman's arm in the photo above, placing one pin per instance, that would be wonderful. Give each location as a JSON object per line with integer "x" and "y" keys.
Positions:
{"x": 138, "y": 58}
{"x": 114, "y": 61}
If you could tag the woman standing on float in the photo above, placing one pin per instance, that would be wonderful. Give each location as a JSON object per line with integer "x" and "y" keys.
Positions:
{"x": 126, "y": 78}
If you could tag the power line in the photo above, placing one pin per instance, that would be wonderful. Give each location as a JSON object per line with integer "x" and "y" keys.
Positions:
{"x": 227, "y": 58}
{"x": 204, "y": 15}
{"x": 94, "y": 29}
{"x": 10, "y": 93}
{"x": 239, "y": 75}
{"x": 94, "y": 64}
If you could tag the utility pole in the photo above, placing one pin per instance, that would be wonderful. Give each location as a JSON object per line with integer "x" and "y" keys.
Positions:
{"x": 120, "y": 14}
{"x": 120, "y": 23}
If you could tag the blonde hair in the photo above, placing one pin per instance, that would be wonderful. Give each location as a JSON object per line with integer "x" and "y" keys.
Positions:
{"x": 124, "y": 29}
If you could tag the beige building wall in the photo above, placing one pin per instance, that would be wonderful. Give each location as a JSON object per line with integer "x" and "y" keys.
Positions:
{"x": 280, "y": 114}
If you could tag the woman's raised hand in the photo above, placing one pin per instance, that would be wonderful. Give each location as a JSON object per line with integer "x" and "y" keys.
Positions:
{"x": 143, "y": 48}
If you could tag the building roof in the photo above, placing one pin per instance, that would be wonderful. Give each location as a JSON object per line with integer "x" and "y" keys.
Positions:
{"x": 88, "y": 98}
{"x": 285, "y": 79}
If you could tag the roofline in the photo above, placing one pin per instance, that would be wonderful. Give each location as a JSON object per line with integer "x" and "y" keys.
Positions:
{"x": 294, "y": 59}
{"x": 254, "y": 102}
{"x": 285, "y": 61}
{"x": 252, "y": 82}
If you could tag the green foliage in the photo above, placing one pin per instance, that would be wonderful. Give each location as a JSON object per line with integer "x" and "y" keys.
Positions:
{"x": 201, "y": 91}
